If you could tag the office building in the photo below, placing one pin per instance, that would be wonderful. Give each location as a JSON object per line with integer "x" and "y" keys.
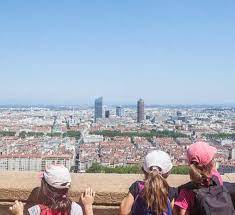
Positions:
{"x": 140, "y": 111}
{"x": 98, "y": 108}
{"x": 107, "y": 114}
{"x": 119, "y": 111}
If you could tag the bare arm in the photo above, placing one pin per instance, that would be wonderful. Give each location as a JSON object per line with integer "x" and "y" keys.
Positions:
{"x": 180, "y": 211}
{"x": 183, "y": 212}
{"x": 126, "y": 205}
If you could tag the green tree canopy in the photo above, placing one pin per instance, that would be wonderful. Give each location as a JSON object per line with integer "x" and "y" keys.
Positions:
{"x": 131, "y": 169}
{"x": 147, "y": 134}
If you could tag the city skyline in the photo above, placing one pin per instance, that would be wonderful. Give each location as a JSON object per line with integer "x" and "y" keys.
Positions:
{"x": 32, "y": 138}
{"x": 164, "y": 52}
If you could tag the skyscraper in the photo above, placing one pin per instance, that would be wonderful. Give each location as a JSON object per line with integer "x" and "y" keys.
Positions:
{"x": 107, "y": 114}
{"x": 98, "y": 108}
{"x": 119, "y": 111}
{"x": 140, "y": 110}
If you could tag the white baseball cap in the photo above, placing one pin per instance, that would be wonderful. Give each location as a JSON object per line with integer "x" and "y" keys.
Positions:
{"x": 159, "y": 159}
{"x": 57, "y": 176}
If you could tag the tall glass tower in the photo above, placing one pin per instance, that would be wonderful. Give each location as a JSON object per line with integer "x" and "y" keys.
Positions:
{"x": 119, "y": 111}
{"x": 140, "y": 111}
{"x": 98, "y": 108}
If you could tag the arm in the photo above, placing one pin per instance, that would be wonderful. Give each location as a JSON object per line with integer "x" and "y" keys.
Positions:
{"x": 126, "y": 205}
{"x": 87, "y": 201}
{"x": 183, "y": 202}
{"x": 183, "y": 212}
{"x": 180, "y": 211}
{"x": 172, "y": 203}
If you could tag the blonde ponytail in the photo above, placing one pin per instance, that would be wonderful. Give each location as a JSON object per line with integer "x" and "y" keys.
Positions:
{"x": 156, "y": 191}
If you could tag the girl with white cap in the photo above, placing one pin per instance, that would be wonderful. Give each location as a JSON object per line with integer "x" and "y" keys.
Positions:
{"x": 53, "y": 195}
{"x": 150, "y": 196}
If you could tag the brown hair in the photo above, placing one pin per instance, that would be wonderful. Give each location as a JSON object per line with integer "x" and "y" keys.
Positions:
{"x": 156, "y": 191}
{"x": 200, "y": 174}
{"x": 55, "y": 199}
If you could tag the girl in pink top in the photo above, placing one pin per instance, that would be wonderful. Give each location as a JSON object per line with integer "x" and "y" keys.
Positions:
{"x": 200, "y": 156}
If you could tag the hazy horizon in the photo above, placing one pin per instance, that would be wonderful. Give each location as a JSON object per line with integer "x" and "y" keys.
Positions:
{"x": 111, "y": 103}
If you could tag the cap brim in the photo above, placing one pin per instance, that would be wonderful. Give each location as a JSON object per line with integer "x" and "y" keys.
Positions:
{"x": 168, "y": 169}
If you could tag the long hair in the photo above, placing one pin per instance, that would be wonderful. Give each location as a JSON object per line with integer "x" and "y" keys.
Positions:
{"x": 200, "y": 175}
{"x": 55, "y": 199}
{"x": 156, "y": 191}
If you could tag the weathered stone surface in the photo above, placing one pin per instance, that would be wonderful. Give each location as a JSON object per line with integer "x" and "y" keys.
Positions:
{"x": 4, "y": 210}
{"x": 110, "y": 188}
{"x": 106, "y": 210}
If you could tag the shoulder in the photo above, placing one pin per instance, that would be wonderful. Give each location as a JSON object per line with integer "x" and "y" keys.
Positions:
{"x": 135, "y": 188}
{"x": 137, "y": 183}
{"x": 35, "y": 210}
{"x": 76, "y": 209}
{"x": 185, "y": 199}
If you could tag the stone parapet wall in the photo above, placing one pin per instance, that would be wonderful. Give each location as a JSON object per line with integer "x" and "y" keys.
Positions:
{"x": 110, "y": 188}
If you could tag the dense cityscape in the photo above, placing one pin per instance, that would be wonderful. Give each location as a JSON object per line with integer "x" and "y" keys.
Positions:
{"x": 33, "y": 137}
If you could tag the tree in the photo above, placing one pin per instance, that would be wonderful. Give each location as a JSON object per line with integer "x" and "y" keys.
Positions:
{"x": 7, "y": 133}
{"x": 95, "y": 168}
{"x": 75, "y": 134}
{"x": 22, "y": 134}
{"x": 147, "y": 134}
{"x": 220, "y": 136}
{"x": 131, "y": 169}
{"x": 55, "y": 134}
{"x": 180, "y": 170}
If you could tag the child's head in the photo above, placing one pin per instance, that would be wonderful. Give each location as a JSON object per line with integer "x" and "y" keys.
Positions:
{"x": 200, "y": 156}
{"x": 157, "y": 160}
{"x": 55, "y": 184}
{"x": 157, "y": 165}
{"x": 57, "y": 176}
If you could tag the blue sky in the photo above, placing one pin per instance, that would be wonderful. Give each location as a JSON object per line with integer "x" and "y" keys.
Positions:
{"x": 69, "y": 52}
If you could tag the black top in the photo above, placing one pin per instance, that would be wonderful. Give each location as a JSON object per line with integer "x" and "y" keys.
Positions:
{"x": 134, "y": 190}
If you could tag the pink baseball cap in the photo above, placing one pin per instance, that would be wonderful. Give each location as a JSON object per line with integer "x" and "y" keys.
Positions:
{"x": 201, "y": 152}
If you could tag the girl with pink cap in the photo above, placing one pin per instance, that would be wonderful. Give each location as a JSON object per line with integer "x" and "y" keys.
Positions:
{"x": 202, "y": 167}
